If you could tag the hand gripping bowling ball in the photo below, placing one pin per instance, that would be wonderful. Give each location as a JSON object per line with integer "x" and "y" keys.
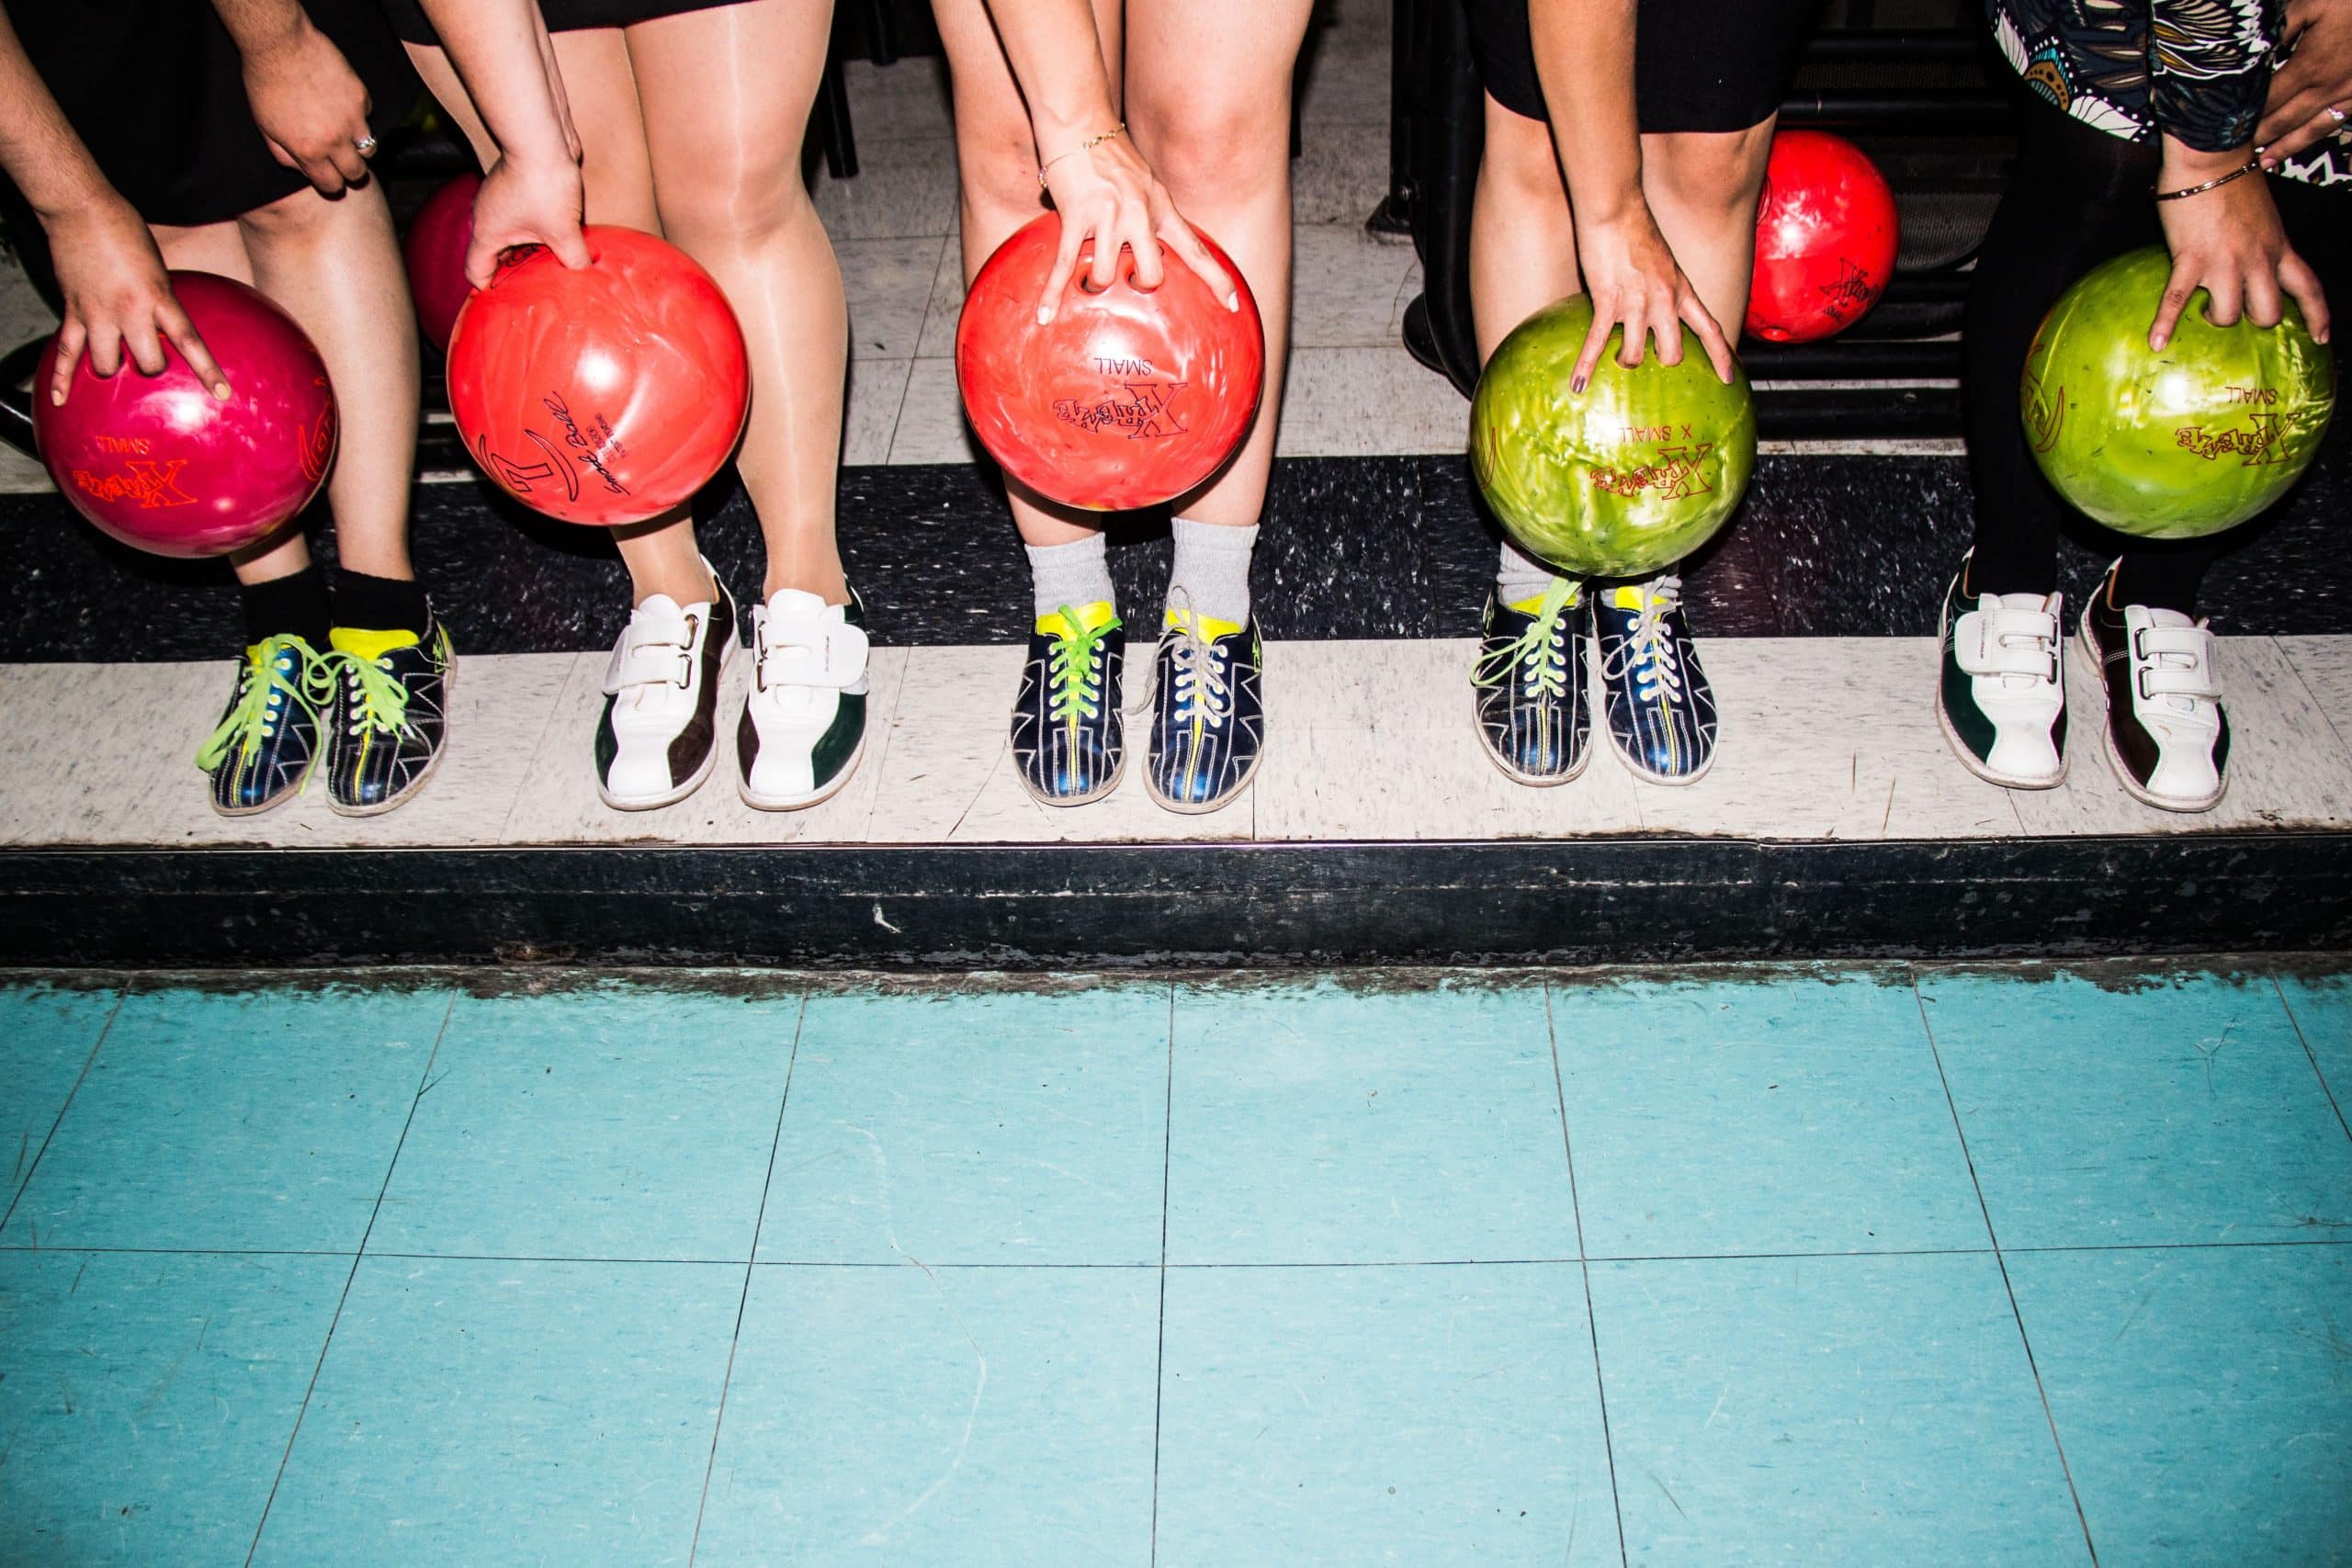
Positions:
{"x": 604, "y": 396}
{"x": 1825, "y": 237}
{"x": 165, "y": 466}
{"x": 1127, "y": 399}
{"x": 1623, "y": 478}
{"x": 435, "y": 251}
{"x": 2174, "y": 444}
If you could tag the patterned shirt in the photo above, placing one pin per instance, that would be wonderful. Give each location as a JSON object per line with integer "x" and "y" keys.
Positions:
{"x": 2194, "y": 69}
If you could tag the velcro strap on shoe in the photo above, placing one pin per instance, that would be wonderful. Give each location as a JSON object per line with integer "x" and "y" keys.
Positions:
{"x": 647, "y": 664}
{"x": 2008, "y": 643}
{"x": 2176, "y": 661}
{"x": 827, "y": 654}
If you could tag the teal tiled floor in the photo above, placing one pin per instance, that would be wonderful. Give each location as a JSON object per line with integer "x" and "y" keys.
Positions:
{"x": 1873, "y": 1265}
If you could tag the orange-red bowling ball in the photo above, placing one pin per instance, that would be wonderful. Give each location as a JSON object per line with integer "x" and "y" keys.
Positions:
{"x": 1127, "y": 399}
{"x": 602, "y": 396}
{"x": 1825, "y": 237}
{"x": 435, "y": 252}
{"x": 165, "y": 466}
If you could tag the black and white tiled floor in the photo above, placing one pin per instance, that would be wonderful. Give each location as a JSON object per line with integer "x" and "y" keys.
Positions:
{"x": 1826, "y": 737}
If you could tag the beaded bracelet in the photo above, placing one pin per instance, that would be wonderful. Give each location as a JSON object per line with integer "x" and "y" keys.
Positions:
{"x": 1087, "y": 145}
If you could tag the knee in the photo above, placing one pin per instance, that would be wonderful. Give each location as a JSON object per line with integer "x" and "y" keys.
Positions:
{"x": 292, "y": 216}
{"x": 1216, "y": 152}
{"x": 996, "y": 169}
{"x": 722, "y": 204}
{"x": 1518, "y": 162}
{"x": 1713, "y": 177}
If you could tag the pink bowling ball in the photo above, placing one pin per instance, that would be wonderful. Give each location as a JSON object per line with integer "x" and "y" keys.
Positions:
{"x": 165, "y": 466}
{"x": 436, "y": 253}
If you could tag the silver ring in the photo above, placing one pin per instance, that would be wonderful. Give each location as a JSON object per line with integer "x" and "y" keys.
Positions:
{"x": 366, "y": 144}
{"x": 2334, "y": 114}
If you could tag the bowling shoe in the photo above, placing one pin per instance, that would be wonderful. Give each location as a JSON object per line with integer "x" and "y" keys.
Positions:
{"x": 803, "y": 727}
{"x": 1659, "y": 709}
{"x": 657, "y": 739}
{"x": 2168, "y": 739}
{"x": 389, "y": 718}
{"x": 268, "y": 737}
{"x": 1528, "y": 682}
{"x": 2001, "y": 700}
{"x": 1209, "y": 721}
{"x": 1069, "y": 740}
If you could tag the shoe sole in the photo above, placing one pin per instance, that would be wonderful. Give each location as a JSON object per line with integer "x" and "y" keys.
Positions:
{"x": 2086, "y": 647}
{"x": 701, "y": 774}
{"x": 1204, "y": 808}
{"x": 1117, "y": 774}
{"x": 300, "y": 784}
{"x": 1532, "y": 780}
{"x": 802, "y": 802}
{"x": 431, "y": 764}
{"x": 1969, "y": 759}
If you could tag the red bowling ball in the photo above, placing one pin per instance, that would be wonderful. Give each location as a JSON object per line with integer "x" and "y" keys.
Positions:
{"x": 604, "y": 396}
{"x": 1826, "y": 237}
{"x": 165, "y": 466}
{"x": 1129, "y": 397}
{"x": 435, "y": 251}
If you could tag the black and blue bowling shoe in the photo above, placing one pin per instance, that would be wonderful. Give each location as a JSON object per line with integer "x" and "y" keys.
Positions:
{"x": 267, "y": 738}
{"x": 1208, "y": 717}
{"x": 1069, "y": 732}
{"x": 1658, "y": 708}
{"x": 1529, "y": 682}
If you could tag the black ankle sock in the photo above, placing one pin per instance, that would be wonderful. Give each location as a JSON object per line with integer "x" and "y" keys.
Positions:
{"x": 380, "y": 604}
{"x": 296, "y": 604}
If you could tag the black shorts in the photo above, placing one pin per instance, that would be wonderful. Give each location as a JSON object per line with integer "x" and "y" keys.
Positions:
{"x": 1698, "y": 65}
{"x": 563, "y": 16}
{"x": 156, "y": 90}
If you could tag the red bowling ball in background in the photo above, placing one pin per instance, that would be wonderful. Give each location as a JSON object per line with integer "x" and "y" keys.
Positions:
{"x": 165, "y": 466}
{"x": 1825, "y": 237}
{"x": 1127, "y": 399}
{"x": 435, "y": 251}
{"x": 604, "y": 396}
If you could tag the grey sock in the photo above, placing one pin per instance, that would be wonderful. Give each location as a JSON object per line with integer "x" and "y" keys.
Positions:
{"x": 1076, "y": 574}
{"x": 1212, "y": 569}
{"x": 1521, "y": 576}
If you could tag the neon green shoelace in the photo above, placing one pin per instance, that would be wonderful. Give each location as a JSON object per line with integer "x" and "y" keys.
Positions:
{"x": 383, "y": 697}
{"x": 255, "y": 718}
{"x": 1071, "y": 668}
{"x": 1547, "y": 667}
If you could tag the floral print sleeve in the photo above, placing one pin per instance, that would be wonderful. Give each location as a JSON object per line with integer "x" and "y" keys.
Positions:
{"x": 2194, "y": 69}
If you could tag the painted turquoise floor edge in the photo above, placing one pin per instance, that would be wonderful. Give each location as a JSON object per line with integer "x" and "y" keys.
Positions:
{"x": 1868, "y": 1264}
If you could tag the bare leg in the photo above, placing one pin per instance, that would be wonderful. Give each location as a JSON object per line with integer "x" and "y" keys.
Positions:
{"x": 1208, "y": 88}
{"x": 662, "y": 555}
{"x": 997, "y": 161}
{"x": 1522, "y": 244}
{"x": 335, "y": 266}
{"x": 727, "y": 95}
{"x": 220, "y": 248}
{"x": 1702, "y": 188}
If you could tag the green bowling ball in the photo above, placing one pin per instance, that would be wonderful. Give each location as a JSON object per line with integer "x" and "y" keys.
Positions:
{"x": 1623, "y": 478}
{"x": 2176, "y": 444}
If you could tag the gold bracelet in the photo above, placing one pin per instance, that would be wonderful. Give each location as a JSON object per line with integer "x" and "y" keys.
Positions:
{"x": 2248, "y": 168}
{"x": 1087, "y": 145}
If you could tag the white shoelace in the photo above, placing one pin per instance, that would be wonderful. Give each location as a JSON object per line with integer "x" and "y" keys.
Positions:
{"x": 1199, "y": 673}
{"x": 1649, "y": 653}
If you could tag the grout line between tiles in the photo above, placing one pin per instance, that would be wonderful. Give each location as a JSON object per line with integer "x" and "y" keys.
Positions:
{"x": 25, "y": 1185}
{"x": 1159, "y": 1351}
{"x": 2025, "y": 1339}
{"x": 2325, "y": 1087}
{"x": 547, "y": 726}
{"x": 726, "y": 1380}
{"x": 424, "y": 1081}
{"x": 879, "y": 762}
{"x": 1584, "y": 1269}
{"x": 2343, "y": 735}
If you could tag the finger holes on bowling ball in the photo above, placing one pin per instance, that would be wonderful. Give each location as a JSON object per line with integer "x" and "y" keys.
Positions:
{"x": 1087, "y": 285}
